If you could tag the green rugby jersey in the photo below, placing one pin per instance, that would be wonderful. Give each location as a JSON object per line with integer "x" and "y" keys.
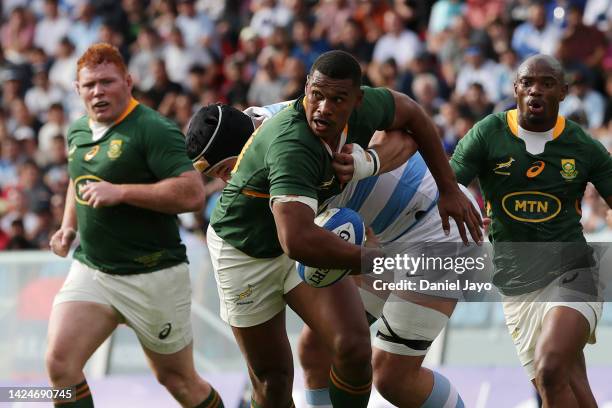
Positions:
{"x": 142, "y": 147}
{"x": 283, "y": 157}
{"x": 533, "y": 199}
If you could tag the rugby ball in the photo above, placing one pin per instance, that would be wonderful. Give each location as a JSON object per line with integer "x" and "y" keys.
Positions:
{"x": 348, "y": 225}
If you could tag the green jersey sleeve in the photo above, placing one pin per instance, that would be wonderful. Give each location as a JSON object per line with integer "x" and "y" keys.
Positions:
{"x": 468, "y": 156}
{"x": 601, "y": 172}
{"x": 376, "y": 112}
{"x": 293, "y": 169}
{"x": 378, "y": 104}
{"x": 165, "y": 149}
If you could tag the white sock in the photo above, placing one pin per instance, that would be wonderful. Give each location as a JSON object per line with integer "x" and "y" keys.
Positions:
{"x": 318, "y": 398}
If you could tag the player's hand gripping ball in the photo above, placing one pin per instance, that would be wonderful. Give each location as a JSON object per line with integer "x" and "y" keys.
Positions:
{"x": 348, "y": 225}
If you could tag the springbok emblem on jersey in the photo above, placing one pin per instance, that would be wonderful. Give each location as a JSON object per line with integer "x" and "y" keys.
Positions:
{"x": 503, "y": 165}
{"x": 568, "y": 169}
{"x": 114, "y": 150}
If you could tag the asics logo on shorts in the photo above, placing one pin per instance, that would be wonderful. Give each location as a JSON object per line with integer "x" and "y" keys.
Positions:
{"x": 165, "y": 331}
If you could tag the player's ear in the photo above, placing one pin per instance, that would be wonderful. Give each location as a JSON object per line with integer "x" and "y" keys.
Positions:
{"x": 306, "y": 84}
{"x": 359, "y": 97}
{"x": 130, "y": 81}
{"x": 564, "y": 91}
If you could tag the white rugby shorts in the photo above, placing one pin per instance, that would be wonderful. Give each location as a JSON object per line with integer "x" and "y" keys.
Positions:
{"x": 524, "y": 315}
{"x": 156, "y": 305}
{"x": 250, "y": 289}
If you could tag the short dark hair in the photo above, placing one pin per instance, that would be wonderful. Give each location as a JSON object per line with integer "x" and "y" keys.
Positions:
{"x": 338, "y": 64}
{"x": 554, "y": 65}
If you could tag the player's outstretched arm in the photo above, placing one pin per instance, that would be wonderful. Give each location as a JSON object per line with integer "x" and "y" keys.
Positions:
{"x": 173, "y": 195}
{"x": 62, "y": 239}
{"x": 410, "y": 116}
{"x": 452, "y": 203}
{"x": 393, "y": 148}
{"x": 304, "y": 241}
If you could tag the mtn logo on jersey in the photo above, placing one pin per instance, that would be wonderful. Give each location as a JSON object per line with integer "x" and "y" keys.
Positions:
{"x": 503, "y": 165}
{"x": 80, "y": 182}
{"x": 568, "y": 169}
{"x": 531, "y": 206}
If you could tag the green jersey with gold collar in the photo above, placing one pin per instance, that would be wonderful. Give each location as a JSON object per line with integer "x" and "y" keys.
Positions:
{"x": 142, "y": 147}
{"x": 533, "y": 199}
{"x": 284, "y": 157}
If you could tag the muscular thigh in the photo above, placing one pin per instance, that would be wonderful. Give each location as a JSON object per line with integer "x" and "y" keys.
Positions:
{"x": 564, "y": 331}
{"x": 77, "y": 329}
{"x": 330, "y": 310}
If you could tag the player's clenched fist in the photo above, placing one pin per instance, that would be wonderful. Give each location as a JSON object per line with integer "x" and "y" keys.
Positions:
{"x": 61, "y": 241}
{"x": 101, "y": 194}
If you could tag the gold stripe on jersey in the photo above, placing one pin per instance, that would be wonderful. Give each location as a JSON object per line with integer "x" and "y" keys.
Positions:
{"x": 253, "y": 193}
{"x": 512, "y": 120}
{"x": 130, "y": 107}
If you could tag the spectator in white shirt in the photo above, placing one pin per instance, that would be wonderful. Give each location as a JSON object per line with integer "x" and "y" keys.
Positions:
{"x": 582, "y": 98}
{"x": 51, "y": 28}
{"x": 40, "y": 97}
{"x": 398, "y": 43}
{"x": 179, "y": 58}
{"x": 148, "y": 50}
{"x": 85, "y": 30}
{"x": 536, "y": 36}
{"x": 198, "y": 30}
{"x": 479, "y": 69}
{"x": 267, "y": 16}
{"x": 63, "y": 69}
{"x": 56, "y": 124}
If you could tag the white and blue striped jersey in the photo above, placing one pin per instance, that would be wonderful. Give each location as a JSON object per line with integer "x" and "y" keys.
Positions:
{"x": 259, "y": 114}
{"x": 391, "y": 203}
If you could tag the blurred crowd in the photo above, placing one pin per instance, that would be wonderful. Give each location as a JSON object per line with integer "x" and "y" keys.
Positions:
{"x": 456, "y": 58}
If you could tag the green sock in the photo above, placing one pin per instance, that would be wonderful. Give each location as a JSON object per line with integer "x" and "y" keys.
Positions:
{"x": 82, "y": 395}
{"x": 212, "y": 401}
{"x": 346, "y": 395}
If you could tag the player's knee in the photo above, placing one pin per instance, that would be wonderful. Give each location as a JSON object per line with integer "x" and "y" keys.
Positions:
{"x": 175, "y": 384}
{"x": 551, "y": 370}
{"x": 273, "y": 384}
{"x": 59, "y": 367}
{"x": 385, "y": 382}
{"x": 387, "y": 378}
{"x": 309, "y": 350}
{"x": 353, "y": 350}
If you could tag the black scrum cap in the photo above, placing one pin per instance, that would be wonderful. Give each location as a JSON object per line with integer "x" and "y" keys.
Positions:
{"x": 216, "y": 132}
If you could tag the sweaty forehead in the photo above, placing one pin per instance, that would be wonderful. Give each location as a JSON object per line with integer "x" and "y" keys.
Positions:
{"x": 539, "y": 68}
{"x": 325, "y": 83}
{"x": 104, "y": 69}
